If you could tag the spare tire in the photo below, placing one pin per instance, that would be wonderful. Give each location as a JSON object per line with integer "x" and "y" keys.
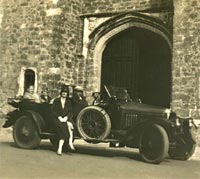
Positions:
{"x": 93, "y": 123}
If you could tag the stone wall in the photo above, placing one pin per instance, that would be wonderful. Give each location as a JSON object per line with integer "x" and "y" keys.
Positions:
{"x": 1, "y": 54}
{"x": 42, "y": 34}
{"x": 157, "y": 8}
{"x": 186, "y": 58}
{"x": 95, "y": 6}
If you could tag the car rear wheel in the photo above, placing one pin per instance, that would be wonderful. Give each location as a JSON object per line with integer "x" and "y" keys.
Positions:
{"x": 93, "y": 123}
{"x": 154, "y": 144}
{"x": 25, "y": 133}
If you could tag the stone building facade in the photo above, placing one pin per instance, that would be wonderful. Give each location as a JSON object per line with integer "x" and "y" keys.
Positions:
{"x": 152, "y": 43}
{"x": 186, "y": 58}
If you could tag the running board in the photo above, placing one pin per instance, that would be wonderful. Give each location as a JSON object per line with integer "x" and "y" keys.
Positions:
{"x": 47, "y": 135}
{"x": 104, "y": 141}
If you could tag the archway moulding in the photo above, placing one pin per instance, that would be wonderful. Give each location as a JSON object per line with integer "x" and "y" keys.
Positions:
{"x": 139, "y": 20}
{"x": 98, "y": 38}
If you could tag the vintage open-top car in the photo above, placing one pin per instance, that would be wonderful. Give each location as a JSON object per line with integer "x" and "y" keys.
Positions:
{"x": 113, "y": 117}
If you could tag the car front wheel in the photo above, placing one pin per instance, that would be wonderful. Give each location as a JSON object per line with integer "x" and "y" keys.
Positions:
{"x": 25, "y": 133}
{"x": 93, "y": 123}
{"x": 154, "y": 144}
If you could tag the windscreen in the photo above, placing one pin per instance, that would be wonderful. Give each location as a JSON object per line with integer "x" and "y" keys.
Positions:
{"x": 118, "y": 92}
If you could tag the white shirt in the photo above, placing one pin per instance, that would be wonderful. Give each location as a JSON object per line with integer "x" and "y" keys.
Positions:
{"x": 63, "y": 102}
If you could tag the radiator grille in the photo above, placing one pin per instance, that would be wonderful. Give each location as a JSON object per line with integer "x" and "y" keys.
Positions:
{"x": 128, "y": 120}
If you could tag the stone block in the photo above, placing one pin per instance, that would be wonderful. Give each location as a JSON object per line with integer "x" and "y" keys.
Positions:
{"x": 68, "y": 64}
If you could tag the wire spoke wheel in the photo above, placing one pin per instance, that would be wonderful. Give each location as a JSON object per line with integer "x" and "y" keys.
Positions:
{"x": 93, "y": 123}
{"x": 25, "y": 133}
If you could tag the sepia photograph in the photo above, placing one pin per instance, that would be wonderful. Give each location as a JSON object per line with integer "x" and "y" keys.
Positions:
{"x": 99, "y": 89}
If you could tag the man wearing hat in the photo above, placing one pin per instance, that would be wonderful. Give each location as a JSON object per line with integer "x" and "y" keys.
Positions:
{"x": 79, "y": 101}
{"x": 45, "y": 98}
{"x": 62, "y": 114}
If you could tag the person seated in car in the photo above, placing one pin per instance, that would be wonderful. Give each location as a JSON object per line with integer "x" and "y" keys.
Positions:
{"x": 79, "y": 100}
{"x": 127, "y": 96}
{"x": 31, "y": 96}
{"x": 97, "y": 98}
{"x": 45, "y": 98}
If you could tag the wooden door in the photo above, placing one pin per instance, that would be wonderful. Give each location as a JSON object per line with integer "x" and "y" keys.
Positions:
{"x": 120, "y": 63}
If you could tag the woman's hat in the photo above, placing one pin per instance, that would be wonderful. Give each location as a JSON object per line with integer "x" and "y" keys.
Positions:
{"x": 64, "y": 88}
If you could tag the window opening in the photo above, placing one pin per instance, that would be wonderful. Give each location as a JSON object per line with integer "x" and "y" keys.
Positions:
{"x": 29, "y": 78}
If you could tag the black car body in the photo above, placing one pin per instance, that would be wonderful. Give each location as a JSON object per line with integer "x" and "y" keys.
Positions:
{"x": 115, "y": 118}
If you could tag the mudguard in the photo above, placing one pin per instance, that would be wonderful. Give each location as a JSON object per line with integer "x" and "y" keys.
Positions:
{"x": 174, "y": 131}
{"x": 133, "y": 134}
{"x": 38, "y": 119}
{"x": 11, "y": 118}
{"x": 183, "y": 143}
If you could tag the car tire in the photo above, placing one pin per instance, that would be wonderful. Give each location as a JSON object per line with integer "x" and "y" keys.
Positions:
{"x": 154, "y": 144}
{"x": 25, "y": 133}
{"x": 93, "y": 123}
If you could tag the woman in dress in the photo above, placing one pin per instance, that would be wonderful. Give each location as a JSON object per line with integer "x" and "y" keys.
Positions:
{"x": 62, "y": 114}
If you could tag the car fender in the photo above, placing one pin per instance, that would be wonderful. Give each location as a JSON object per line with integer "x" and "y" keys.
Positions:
{"x": 11, "y": 118}
{"x": 134, "y": 133}
{"x": 38, "y": 119}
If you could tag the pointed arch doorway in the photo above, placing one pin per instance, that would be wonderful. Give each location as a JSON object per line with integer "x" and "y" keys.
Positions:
{"x": 140, "y": 61}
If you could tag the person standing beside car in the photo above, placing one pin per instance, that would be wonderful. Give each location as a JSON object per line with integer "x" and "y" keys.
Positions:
{"x": 79, "y": 100}
{"x": 62, "y": 116}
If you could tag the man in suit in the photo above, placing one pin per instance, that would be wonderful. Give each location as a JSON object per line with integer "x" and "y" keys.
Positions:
{"x": 79, "y": 101}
